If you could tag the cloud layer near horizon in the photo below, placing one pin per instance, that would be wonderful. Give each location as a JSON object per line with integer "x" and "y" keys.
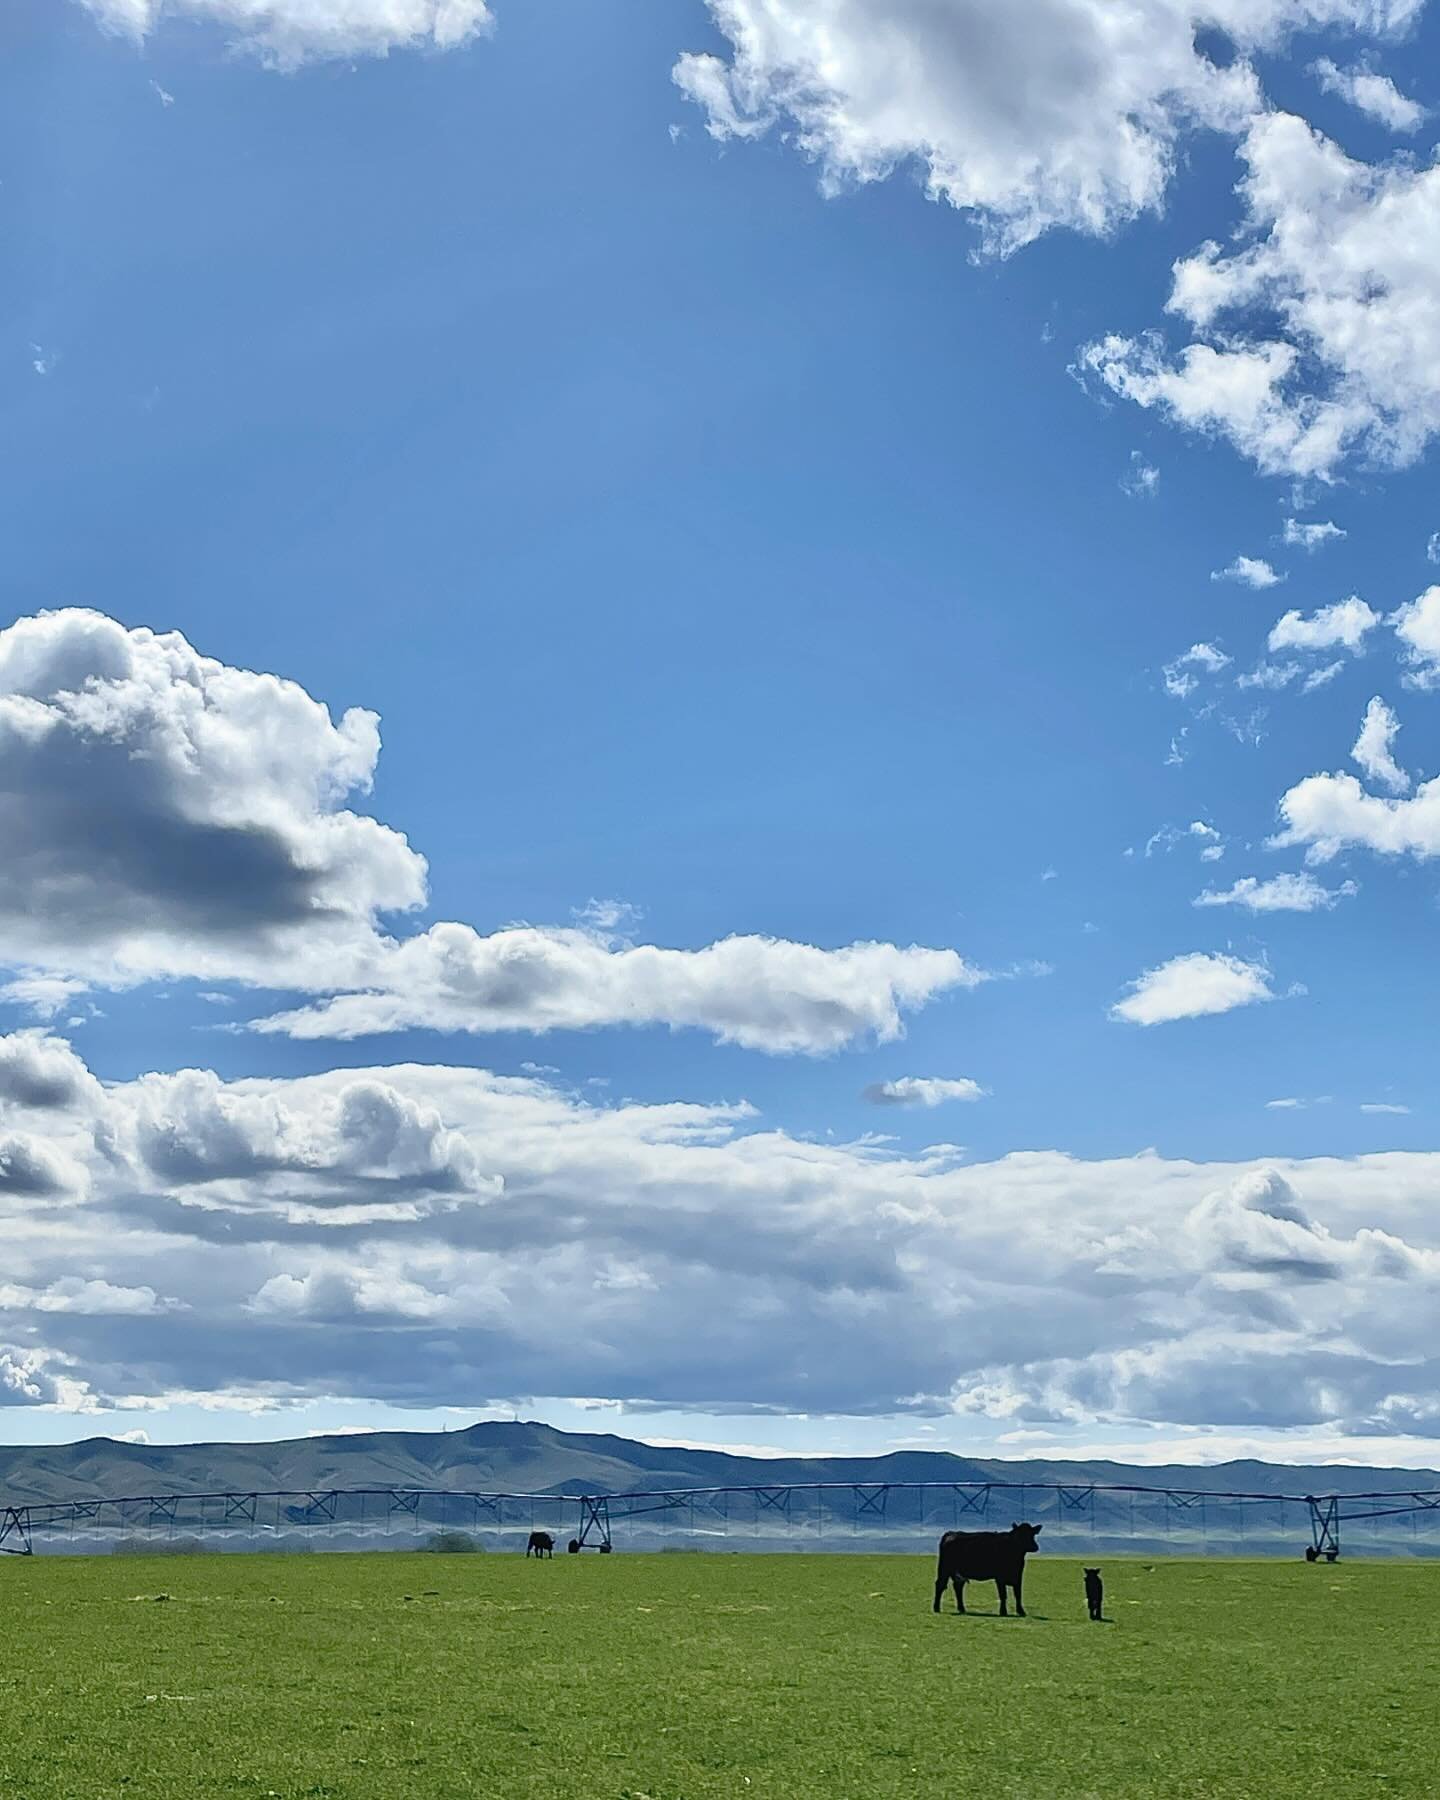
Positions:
{"x": 431, "y": 1235}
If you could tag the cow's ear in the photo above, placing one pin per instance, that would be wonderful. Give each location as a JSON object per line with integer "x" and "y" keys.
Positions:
{"x": 1038, "y": 1530}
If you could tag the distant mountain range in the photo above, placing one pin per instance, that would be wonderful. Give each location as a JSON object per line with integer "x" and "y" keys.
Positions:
{"x": 531, "y": 1458}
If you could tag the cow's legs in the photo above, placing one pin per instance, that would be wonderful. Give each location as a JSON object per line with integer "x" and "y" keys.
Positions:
{"x": 942, "y": 1581}
{"x": 960, "y": 1593}
{"x": 1000, "y": 1590}
{"x": 1019, "y": 1609}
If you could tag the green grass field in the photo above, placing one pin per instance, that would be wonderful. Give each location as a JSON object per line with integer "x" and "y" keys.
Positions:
{"x": 674, "y": 1677}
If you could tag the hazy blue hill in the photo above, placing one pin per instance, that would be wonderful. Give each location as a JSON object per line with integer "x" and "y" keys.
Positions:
{"x": 532, "y": 1458}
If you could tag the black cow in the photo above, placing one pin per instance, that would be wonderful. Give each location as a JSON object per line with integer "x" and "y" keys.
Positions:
{"x": 997, "y": 1556}
{"x": 541, "y": 1544}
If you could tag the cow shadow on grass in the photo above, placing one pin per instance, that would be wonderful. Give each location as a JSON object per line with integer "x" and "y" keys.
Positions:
{"x": 999, "y": 1617}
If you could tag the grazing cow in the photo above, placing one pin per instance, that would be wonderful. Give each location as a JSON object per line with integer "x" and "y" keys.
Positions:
{"x": 997, "y": 1556}
{"x": 541, "y": 1544}
{"x": 573, "y": 1546}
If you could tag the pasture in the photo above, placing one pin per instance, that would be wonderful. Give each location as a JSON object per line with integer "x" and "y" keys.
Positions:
{"x": 673, "y": 1677}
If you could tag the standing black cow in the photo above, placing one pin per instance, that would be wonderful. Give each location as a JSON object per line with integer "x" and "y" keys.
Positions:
{"x": 541, "y": 1544}
{"x": 997, "y": 1556}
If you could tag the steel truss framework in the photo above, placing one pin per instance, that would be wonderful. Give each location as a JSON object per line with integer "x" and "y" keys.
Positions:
{"x": 1085, "y": 1512}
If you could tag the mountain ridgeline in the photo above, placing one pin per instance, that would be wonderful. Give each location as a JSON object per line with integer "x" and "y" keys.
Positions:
{"x": 531, "y": 1458}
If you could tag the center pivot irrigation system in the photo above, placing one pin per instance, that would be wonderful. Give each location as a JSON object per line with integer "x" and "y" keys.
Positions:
{"x": 805, "y": 1515}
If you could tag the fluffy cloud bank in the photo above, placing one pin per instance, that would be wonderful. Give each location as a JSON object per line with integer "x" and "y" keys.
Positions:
{"x": 1028, "y": 117}
{"x": 287, "y": 33}
{"x": 432, "y": 1235}
{"x": 165, "y": 815}
{"x": 1317, "y": 336}
{"x": 762, "y": 993}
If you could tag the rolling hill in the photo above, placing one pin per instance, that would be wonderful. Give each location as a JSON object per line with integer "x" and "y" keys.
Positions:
{"x": 532, "y": 1458}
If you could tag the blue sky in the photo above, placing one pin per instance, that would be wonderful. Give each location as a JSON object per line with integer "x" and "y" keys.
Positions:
{"x": 721, "y": 524}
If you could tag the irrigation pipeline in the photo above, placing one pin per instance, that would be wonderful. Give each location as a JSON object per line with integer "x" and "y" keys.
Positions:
{"x": 233, "y": 1515}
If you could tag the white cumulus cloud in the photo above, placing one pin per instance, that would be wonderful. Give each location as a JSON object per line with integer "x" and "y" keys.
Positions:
{"x": 1371, "y": 93}
{"x": 1322, "y": 677}
{"x": 1331, "y": 813}
{"x": 1191, "y": 986}
{"x": 1344, "y": 624}
{"x": 1374, "y": 748}
{"x": 1249, "y": 571}
{"x": 922, "y": 1090}
{"x": 286, "y": 33}
{"x": 1317, "y": 330}
{"x": 606, "y": 915}
{"x": 1061, "y": 114}
{"x": 164, "y": 815}
{"x": 763, "y": 993}
{"x": 1180, "y": 676}
{"x": 1272, "y": 677}
{"x": 1417, "y": 626}
{"x": 1281, "y": 893}
{"x": 1311, "y": 536}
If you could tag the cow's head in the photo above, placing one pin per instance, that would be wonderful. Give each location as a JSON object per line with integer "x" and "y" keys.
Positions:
{"x": 1025, "y": 1536}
